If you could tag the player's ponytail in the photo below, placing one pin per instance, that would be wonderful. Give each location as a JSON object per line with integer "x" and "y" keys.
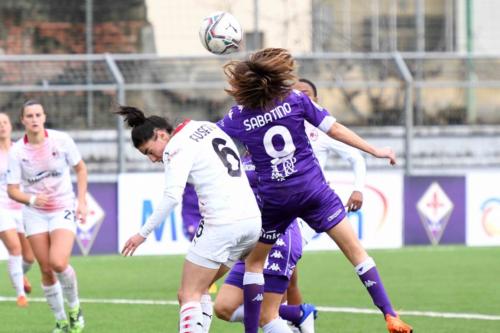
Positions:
{"x": 143, "y": 129}
{"x": 267, "y": 75}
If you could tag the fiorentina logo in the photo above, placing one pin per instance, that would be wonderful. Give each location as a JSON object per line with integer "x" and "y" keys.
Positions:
{"x": 86, "y": 233}
{"x": 434, "y": 208}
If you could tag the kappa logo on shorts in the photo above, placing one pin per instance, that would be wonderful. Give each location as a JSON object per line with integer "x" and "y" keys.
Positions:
{"x": 280, "y": 242}
{"x": 337, "y": 213}
{"x": 276, "y": 254}
{"x": 274, "y": 267}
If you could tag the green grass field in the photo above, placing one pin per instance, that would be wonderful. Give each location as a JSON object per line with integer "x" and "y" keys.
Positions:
{"x": 438, "y": 279}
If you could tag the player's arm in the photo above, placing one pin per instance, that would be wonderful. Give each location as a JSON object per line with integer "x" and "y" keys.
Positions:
{"x": 13, "y": 184}
{"x": 81, "y": 185}
{"x": 178, "y": 164}
{"x": 354, "y": 157}
{"x": 340, "y": 132}
{"x": 319, "y": 117}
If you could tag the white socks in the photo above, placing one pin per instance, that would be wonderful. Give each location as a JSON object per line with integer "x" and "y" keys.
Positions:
{"x": 54, "y": 297}
{"x": 277, "y": 325}
{"x": 238, "y": 315}
{"x": 365, "y": 266}
{"x": 15, "y": 267}
{"x": 191, "y": 318}
{"x": 69, "y": 286}
{"x": 207, "y": 311}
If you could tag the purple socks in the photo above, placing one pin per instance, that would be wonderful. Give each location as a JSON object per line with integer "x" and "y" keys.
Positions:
{"x": 253, "y": 294}
{"x": 368, "y": 274}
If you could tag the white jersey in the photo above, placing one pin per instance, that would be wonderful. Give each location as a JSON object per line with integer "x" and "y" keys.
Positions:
{"x": 45, "y": 169}
{"x": 5, "y": 201}
{"x": 200, "y": 153}
{"x": 322, "y": 145}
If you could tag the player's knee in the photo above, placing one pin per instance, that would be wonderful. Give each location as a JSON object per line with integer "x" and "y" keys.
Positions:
{"x": 58, "y": 265}
{"x": 222, "y": 311}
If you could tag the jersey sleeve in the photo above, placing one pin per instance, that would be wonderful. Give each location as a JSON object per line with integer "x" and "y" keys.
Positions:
{"x": 13, "y": 168}
{"x": 230, "y": 125}
{"x": 178, "y": 163}
{"x": 350, "y": 154}
{"x": 316, "y": 114}
{"x": 73, "y": 156}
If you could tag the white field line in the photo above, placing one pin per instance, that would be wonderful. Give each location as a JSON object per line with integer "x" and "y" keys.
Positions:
{"x": 448, "y": 315}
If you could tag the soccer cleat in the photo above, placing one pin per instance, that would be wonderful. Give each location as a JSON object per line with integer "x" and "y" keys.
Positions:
{"x": 309, "y": 314}
{"x": 27, "y": 285}
{"x": 22, "y": 301}
{"x": 76, "y": 321}
{"x": 62, "y": 326}
{"x": 396, "y": 325}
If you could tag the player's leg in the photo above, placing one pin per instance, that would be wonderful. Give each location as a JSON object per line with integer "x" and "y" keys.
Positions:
{"x": 28, "y": 256}
{"x": 228, "y": 304}
{"x": 270, "y": 320}
{"x": 62, "y": 238}
{"x": 253, "y": 285}
{"x": 15, "y": 263}
{"x": 294, "y": 296}
{"x": 366, "y": 269}
{"x": 40, "y": 243}
{"x": 197, "y": 275}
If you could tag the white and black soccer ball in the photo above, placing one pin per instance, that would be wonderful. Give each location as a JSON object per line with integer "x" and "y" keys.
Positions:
{"x": 221, "y": 33}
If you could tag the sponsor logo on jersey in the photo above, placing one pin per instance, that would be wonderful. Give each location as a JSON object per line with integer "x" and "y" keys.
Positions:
{"x": 269, "y": 235}
{"x": 44, "y": 174}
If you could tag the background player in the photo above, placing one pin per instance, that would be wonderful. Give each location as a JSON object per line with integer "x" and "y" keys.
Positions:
{"x": 200, "y": 153}
{"x": 39, "y": 177}
{"x": 11, "y": 223}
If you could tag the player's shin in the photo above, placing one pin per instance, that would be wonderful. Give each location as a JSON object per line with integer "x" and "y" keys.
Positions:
{"x": 207, "y": 309}
{"x": 191, "y": 318}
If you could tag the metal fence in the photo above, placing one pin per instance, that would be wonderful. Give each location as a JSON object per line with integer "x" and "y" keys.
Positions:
{"x": 361, "y": 89}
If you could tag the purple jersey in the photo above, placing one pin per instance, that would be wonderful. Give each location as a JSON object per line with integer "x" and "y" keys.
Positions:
{"x": 290, "y": 181}
{"x": 190, "y": 212}
{"x": 278, "y": 143}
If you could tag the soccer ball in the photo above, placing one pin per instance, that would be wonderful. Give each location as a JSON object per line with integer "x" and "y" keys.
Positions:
{"x": 220, "y": 33}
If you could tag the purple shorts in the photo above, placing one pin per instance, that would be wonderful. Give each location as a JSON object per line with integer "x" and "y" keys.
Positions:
{"x": 280, "y": 263}
{"x": 321, "y": 208}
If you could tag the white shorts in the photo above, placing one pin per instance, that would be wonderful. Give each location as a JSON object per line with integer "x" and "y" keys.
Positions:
{"x": 37, "y": 222}
{"x": 11, "y": 219}
{"x": 223, "y": 244}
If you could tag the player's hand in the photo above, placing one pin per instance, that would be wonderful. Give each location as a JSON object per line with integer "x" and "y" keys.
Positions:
{"x": 386, "y": 152}
{"x": 41, "y": 200}
{"x": 82, "y": 212}
{"x": 132, "y": 244}
{"x": 355, "y": 201}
